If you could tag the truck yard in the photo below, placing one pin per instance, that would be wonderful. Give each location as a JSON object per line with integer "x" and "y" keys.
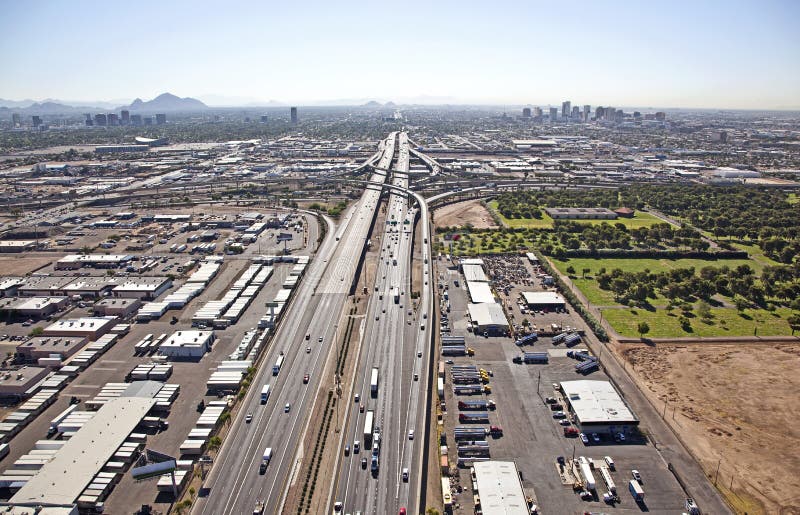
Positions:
{"x": 528, "y": 430}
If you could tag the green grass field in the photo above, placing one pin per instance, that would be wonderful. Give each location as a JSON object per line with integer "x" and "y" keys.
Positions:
{"x": 793, "y": 198}
{"x": 640, "y": 219}
{"x": 725, "y": 322}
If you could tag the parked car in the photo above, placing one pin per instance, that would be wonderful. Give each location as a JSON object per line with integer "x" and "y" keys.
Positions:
{"x": 584, "y": 439}
{"x": 638, "y": 477}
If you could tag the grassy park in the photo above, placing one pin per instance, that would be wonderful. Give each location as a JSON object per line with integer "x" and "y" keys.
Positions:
{"x": 640, "y": 219}
{"x": 723, "y": 319}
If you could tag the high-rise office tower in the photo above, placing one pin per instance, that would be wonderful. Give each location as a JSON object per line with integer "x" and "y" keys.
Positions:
{"x": 148, "y": 120}
{"x": 587, "y": 110}
{"x": 16, "y": 120}
{"x": 565, "y": 109}
{"x": 661, "y": 116}
{"x": 136, "y": 119}
{"x": 553, "y": 114}
{"x": 526, "y": 112}
{"x": 126, "y": 117}
{"x": 599, "y": 113}
{"x": 293, "y": 114}
{"x": 37, "y": 121}
{"x": 161, "y": 119}
{"x": 113, "y": 119}
{"x": 576, "y": 113}
{"x": 100, "y": 120}
{"x": 537, "y": 114}
{"x": 611, "y": 114}
{"x": 264, "y": 118}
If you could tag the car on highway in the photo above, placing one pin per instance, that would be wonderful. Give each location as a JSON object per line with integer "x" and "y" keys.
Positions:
{"x": 356, "y": 447}
{"x": 402, "y": 511}
{"x": 347, "y": 450}
{"x": 308, "y": 350}
{"x": 411, "y": 434}
{"x": 361, "y": 408}
{"x": 416, "y": 377}
{"x": 287, "y": 408}
{"x": 419, "y": 354}
{"x": 308, "y": 336}
{"x": 305, "y": 379}
{"x": 337, "y": 506}
{"x": 357, "y": 397}
{"x": 319, "y": 339}
{"x": 405, "y": 475}
{"x": 363, "y": 463}
{"x": 248, "y": 418}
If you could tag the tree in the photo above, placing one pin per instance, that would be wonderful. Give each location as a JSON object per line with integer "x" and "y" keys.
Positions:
{"x": 570, "y": 270}
{"x": 214, "y": 443}
{"x": 643, "y": 328}
{"x": 36, "y": 331}
{"x": 586, "y": 271}
{"x": 794, "y": 322}
{"x": 703, "y": 310}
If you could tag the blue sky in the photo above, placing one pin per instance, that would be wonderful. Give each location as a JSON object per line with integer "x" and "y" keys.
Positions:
{"x": 700, "y": 53}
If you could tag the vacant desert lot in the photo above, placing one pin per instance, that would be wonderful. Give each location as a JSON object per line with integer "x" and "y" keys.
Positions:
{"x": 732, "y": 405}
{"x": 463, "y": 213}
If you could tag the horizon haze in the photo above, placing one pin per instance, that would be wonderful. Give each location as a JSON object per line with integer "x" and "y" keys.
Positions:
{"x": 726, "y": 55}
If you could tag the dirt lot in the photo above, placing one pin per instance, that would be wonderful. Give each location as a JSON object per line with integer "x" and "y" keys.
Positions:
{"x": 21, "y": 264}
{"x": 732, "y": 405}
{"x": 462, "y": 213}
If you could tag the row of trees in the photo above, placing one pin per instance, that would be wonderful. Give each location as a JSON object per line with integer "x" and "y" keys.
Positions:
{"x": 685, "y": 285}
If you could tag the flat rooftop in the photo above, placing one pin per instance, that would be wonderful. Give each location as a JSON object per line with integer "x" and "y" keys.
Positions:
{"x": 85, "y": 454}
{"x": 542, "y": 297}
{"x": 597, "y": 402}
{"x": 499, "y": 488}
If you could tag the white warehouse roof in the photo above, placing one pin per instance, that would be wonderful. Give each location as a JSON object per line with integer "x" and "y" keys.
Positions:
{"x": 597, "y": 402}
{"x": 474, "y": 273}
{"x": 499, "y": 488}
{"x": 488, "y": 314}
{"x": 85, "y": 454}
{"x": 542, "y": 297}
{"x": 480, "y": 292}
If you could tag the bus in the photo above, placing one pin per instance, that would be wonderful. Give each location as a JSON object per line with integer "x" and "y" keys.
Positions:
{"x": 373, "y": 383}
{"x": 369, "y": 425}
{"x": 277, "y": 366}
{"x": 264, "y": 394}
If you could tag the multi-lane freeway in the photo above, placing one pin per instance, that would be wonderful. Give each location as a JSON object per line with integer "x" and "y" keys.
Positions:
{"x": 384, "y": 474}
{"x": 304, "y": 339}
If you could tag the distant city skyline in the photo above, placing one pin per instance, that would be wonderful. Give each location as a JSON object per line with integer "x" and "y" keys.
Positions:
{"x": 731, "y": 55}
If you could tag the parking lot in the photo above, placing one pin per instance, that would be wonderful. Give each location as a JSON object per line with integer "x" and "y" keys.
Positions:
{"x": 532, "y": 437}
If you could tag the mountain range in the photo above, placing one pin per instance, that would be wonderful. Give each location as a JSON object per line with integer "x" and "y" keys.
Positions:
{"x": 166, "y": 102}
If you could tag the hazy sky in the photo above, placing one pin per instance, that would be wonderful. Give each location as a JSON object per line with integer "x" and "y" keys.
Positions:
{"x": 697, "y": 53}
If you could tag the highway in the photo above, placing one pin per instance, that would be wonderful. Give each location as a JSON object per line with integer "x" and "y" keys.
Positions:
{"x": 234, "y": 483}
{"x": 395, "y": 339}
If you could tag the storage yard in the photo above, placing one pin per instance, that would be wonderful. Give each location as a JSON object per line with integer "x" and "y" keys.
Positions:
{"x": 181, "y": 350}
{"x": 752, "y": 434}
{"x": 500, "y": 394}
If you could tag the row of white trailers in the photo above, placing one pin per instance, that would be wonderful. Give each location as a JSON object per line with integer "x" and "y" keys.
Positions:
{"x": 193, "y": 287}
{"x": 228, "y": 309}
